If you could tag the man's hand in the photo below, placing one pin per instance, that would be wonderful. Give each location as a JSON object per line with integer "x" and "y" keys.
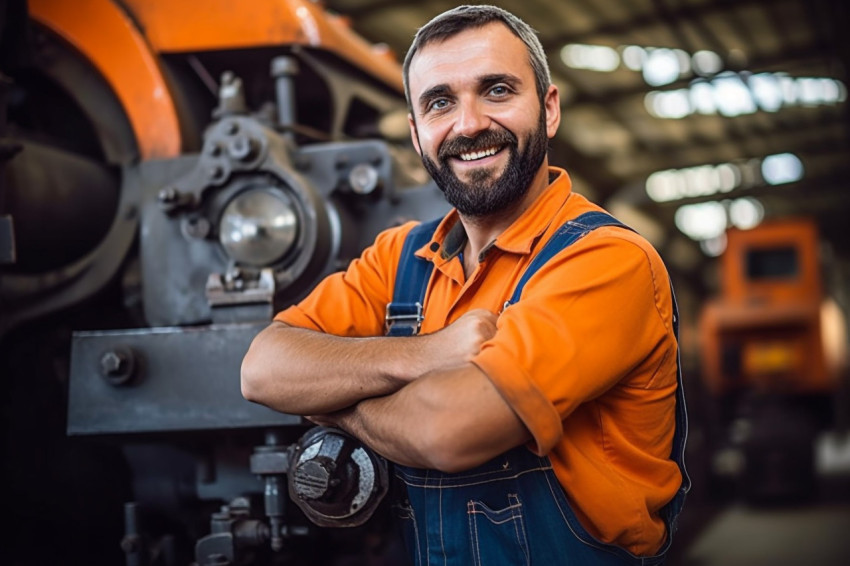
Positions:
{"x": 461, "y": 341}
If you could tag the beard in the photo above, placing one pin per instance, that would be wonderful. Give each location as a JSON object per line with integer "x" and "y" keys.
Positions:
{"x": 487, "y": 192}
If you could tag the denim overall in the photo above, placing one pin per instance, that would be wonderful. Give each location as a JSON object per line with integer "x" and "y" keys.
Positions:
{"x": 512, "y": 509}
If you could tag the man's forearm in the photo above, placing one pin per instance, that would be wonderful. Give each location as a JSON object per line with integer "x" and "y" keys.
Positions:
{"x": 304, "y": 372}
{"x": 444, "y": 420}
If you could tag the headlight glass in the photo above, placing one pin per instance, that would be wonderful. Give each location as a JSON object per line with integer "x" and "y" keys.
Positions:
{"x": 259, "y": 227}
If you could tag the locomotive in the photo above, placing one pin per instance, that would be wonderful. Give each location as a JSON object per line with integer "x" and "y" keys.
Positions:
{"x": 174, "y": 173}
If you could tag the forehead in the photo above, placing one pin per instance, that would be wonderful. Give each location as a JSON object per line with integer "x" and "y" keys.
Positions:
{"x": 488, "y": 50}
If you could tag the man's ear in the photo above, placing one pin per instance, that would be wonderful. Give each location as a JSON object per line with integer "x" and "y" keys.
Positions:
{"x": 552, "y": 106}
{"x": 414, "y": 135}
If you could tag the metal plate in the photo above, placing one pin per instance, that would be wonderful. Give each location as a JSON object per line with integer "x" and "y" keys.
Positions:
{"x": 184, "y": 379}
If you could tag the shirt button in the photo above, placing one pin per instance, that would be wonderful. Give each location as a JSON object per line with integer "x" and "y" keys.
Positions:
{"x": 435, "y": 246}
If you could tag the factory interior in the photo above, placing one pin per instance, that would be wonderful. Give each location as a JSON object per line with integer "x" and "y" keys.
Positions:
{"x": 717, "y": 129}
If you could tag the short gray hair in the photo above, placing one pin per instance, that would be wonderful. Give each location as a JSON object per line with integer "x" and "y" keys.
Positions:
{"x": 462, "y": 18}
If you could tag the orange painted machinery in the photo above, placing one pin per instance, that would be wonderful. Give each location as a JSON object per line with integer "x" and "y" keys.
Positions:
{"x": 766, "y": 364}
{"x": 172, "y": 173}
{"x": 764, "y": 332}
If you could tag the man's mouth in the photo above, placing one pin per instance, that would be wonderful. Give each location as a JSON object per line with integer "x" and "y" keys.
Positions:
{"x": 473, "y": 155}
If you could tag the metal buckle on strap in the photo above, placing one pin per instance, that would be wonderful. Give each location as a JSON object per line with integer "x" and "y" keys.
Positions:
{"x": 404, "y": 320}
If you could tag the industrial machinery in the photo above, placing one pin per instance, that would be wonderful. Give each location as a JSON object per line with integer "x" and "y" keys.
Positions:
{"x": 770, "y": 378}
{"x": 173, "y": 173}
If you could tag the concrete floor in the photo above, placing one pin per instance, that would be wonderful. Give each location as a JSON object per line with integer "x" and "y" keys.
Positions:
{"x": 720, "y": 528}
{"x": 817, "y": 534}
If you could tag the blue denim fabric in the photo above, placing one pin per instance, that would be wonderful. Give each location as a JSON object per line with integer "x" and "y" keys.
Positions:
{"x": 510, "y": 510}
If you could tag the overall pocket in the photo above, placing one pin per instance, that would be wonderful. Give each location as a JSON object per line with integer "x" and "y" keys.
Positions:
{"x": 497, "y": 537}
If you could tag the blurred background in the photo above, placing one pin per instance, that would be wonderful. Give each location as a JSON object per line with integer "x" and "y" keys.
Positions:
{"x": 718, "y": 129}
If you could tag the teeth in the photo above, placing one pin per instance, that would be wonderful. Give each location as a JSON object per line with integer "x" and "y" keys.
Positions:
{"x": 478, "y": 154}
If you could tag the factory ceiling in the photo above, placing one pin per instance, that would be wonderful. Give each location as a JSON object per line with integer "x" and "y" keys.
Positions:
{"x": 737, "y": 106}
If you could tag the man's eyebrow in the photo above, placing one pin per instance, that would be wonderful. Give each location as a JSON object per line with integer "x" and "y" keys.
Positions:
{"x": 433, "y": 92}
{"x": 499, "y": 78}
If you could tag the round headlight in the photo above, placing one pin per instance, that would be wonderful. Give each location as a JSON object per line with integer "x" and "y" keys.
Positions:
{"x": 259, "y": 227}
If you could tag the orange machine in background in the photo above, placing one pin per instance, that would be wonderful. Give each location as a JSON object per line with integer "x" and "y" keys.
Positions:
{"x": 765, "y": 362}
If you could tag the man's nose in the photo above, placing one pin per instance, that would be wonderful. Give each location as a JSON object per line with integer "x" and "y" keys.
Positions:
{"x": 471, "y": 119}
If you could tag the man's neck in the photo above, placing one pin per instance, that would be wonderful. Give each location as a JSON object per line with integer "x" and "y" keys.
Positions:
{"x": 481, "y": 230}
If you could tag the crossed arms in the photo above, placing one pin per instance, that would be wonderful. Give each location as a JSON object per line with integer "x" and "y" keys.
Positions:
{"x": 417, "y": 401}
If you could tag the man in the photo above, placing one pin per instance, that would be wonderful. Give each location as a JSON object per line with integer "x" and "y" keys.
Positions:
{"x": 540, "y": 432}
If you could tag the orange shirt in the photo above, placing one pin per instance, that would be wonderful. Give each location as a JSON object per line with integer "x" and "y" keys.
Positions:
{"x": 586, "y": 357}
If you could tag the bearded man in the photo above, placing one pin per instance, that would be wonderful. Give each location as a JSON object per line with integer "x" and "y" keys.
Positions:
{"x": 534, "y": 413}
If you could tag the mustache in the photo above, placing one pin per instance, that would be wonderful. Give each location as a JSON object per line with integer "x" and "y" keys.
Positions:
{"x": 485, "y": 140}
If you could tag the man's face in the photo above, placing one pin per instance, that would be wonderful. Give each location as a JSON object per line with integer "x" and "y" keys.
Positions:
{"x": 478, "y": 121}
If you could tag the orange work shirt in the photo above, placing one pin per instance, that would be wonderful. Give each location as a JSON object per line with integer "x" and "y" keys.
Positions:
{"x": 586, "y": 358}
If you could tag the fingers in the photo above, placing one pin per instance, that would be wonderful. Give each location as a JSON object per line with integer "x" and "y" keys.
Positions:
{"x": 479, "y": 321}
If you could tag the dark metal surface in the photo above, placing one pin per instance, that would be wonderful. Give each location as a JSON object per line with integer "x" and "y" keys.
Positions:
{"x": 185, "y": 379}
{"x": 7, "y": 240}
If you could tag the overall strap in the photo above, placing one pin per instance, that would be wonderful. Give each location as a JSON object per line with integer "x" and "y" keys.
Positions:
{"x": 404, "y": 314}
{"x": 567, "y": 234}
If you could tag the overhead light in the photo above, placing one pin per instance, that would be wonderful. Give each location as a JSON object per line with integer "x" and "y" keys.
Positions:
{"x": 704, "y": 180}
{"x": 672, "y": 104}
{"x": 661, "y": 67}
{"x": 701, "y": 221}
{"x": 713, "y": 247}
{"x": 781, "y": 168}
{"x": 746, "y": 213}
{"x": 731, "y": 94}
{"x": 767, "y": 91}
{"x": 706, "y": 222}
{"x": 707, "y": 63}
{"x": 591, "y": 57}
{"x": 702, "y": 98}
{"x": 634, "y": 57}
{"x": 707, "y": 180}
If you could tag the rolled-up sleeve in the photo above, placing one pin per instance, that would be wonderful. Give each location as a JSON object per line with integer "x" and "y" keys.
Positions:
{"x": 590, "y": 318}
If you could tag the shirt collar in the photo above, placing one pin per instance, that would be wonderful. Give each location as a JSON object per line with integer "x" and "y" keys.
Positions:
{"x": 450, "y": 237}
{"x": 520, "y": 236}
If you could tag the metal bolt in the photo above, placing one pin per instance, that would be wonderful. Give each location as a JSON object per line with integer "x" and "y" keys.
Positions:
{"x": 242, "y": 147}
{"x": 111, "y": 363}
{"x": 168, "y": 195}
{"x": 363, "y": 179}
{"x": 196, "y": 227}
{"x": 131, "y": 544}
{"x": 215, "y": 172}
{"x": 117, "y": 366}
{"x": 212, "y": 149}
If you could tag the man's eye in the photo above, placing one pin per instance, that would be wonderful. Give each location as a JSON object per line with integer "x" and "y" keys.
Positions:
{"x": 499, "y": 90}
{"x": 439, "y": 104}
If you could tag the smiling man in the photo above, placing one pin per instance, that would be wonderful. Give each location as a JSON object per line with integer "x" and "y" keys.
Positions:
{"x": 535, "y": 414}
